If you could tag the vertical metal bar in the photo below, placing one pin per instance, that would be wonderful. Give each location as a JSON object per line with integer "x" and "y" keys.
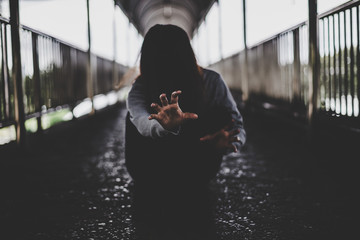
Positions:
{"x": 53, "y": 91}
{"x": 53, "y": 69}
{"x": 46, "y": 77}
{"x": 5, "y": 72}
{"x": 17, "y": 75}
{"x": 291, "y": 69}
{"x": 89, "y": 69}
{"x": 296, "y": 67}
{"x": 285, "y": 66}
{"x": 2, "y": 81}
{"x": 325, "y": 73}
{"x": 345, "y": 65}
{"x": 43, "y": 80}
{"x": 57, "y": 90}
{"x": 115, "y": 71}
{"x": 358, "y": 53}
{"x": 329, "y": 63}
{"x": 313, "y": 59}
{"x": 245, "y": 84}
{"x": 36, "y": 78}
{"x": 49, "y": 79}
{"x": 352, "y": 76}
{"x": 10, "y": 89}
{"x": 244, "y": 22}
{"x": 340, "y": 63}
{"x": 334, "y": 65}
{"x": 301, "y": 55}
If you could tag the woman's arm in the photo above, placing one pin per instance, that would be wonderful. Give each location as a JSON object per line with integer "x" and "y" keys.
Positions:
{"x": 225, "y": 98}
{"x": 231, "y": 137}
{"x": 167, "y": 120}
{"x": 139, "y": 113}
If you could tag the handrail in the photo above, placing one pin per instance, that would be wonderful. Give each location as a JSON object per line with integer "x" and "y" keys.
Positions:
{"x": 340, "y": 8}
{"x": 51, "y": 37}
{"x": 4, "y": 20}
{"x": 335, "y": 10}
{"x": 278, "y": 34}
{"x": 282, "y": 60}
{"x": 55, "y": 75}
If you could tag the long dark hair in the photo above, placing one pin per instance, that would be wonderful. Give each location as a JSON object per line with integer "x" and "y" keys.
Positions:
{"x": 168, "y": 63}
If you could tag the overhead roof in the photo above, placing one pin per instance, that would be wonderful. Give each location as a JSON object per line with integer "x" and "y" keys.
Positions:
{"x": 184, "y": 13}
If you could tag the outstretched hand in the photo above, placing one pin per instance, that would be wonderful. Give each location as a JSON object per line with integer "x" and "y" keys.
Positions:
{"x": 223, "y": 139}
{"x": 169, "y": 115}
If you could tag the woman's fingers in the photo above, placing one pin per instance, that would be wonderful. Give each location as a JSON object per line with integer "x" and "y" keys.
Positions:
{"x": 164, "y": 100}
{"x": 156, "y": 107}
{"x": 154, "y": 116}
{"x": 207, "y": 138}
{"x": 175, "y": 96}
{"x": 190, "y": 116}
{"x": 234, "y": 132}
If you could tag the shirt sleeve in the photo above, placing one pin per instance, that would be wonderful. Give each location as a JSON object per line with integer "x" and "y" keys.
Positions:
{"x": 139, "y": 113}
{"x": 223, "y": 97}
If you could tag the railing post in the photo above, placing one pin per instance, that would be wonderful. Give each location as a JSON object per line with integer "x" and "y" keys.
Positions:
{"x": 89, "y": 69}
{"x": 313, "y": 59}
{"x": 16, "y": 73}
{"x": 36, "y": 79}
{"x": 6, "y": 89}
{"x": 115, "y": 70}
{"x": 245, "y": 83}
{"x": 296, "y": 78}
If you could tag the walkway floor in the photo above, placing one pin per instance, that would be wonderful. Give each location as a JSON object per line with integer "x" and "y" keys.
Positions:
{"x": 75, "y": 186}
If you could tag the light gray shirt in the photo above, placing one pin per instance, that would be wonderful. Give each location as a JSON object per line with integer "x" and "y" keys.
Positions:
{"x": 216, "y": 92}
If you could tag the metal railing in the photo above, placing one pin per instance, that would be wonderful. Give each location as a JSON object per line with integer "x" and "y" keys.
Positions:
{"x": 277, "y": 69}
{"x": 339, "y": 87}
{"x": 54, "y": 73}
{"x": 274, "y": 71}
{"x": 6, "y": 85}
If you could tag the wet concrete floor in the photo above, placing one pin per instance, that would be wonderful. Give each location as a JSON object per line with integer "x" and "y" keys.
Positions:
{"x": 74, "y": 185}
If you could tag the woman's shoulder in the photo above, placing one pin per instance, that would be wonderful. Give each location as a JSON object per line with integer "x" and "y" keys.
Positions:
{"x": 212, "y": 79}
{"x": 210, "y": 74}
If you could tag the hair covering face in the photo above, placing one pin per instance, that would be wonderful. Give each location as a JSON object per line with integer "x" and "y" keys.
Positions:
{"x": 168, "y": 63}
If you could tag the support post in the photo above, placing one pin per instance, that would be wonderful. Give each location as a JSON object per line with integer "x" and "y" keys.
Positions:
{"x": 6, "y": 89}
{"x": 245, "y": 82}
{"x": 115, "y": 70}
{"x": 296, "y": 67}
{"x": 17, "y": 74}
{"x": 89, "y": 69}
{"x": 313, "y": 59}
{"x": 36, "y": 79}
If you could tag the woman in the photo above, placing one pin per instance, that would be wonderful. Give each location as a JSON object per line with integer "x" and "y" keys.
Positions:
{"x": 164, "y": 142}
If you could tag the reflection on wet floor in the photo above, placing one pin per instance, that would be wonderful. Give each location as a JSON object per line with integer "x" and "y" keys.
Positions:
{"x": 77, "y": 187}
